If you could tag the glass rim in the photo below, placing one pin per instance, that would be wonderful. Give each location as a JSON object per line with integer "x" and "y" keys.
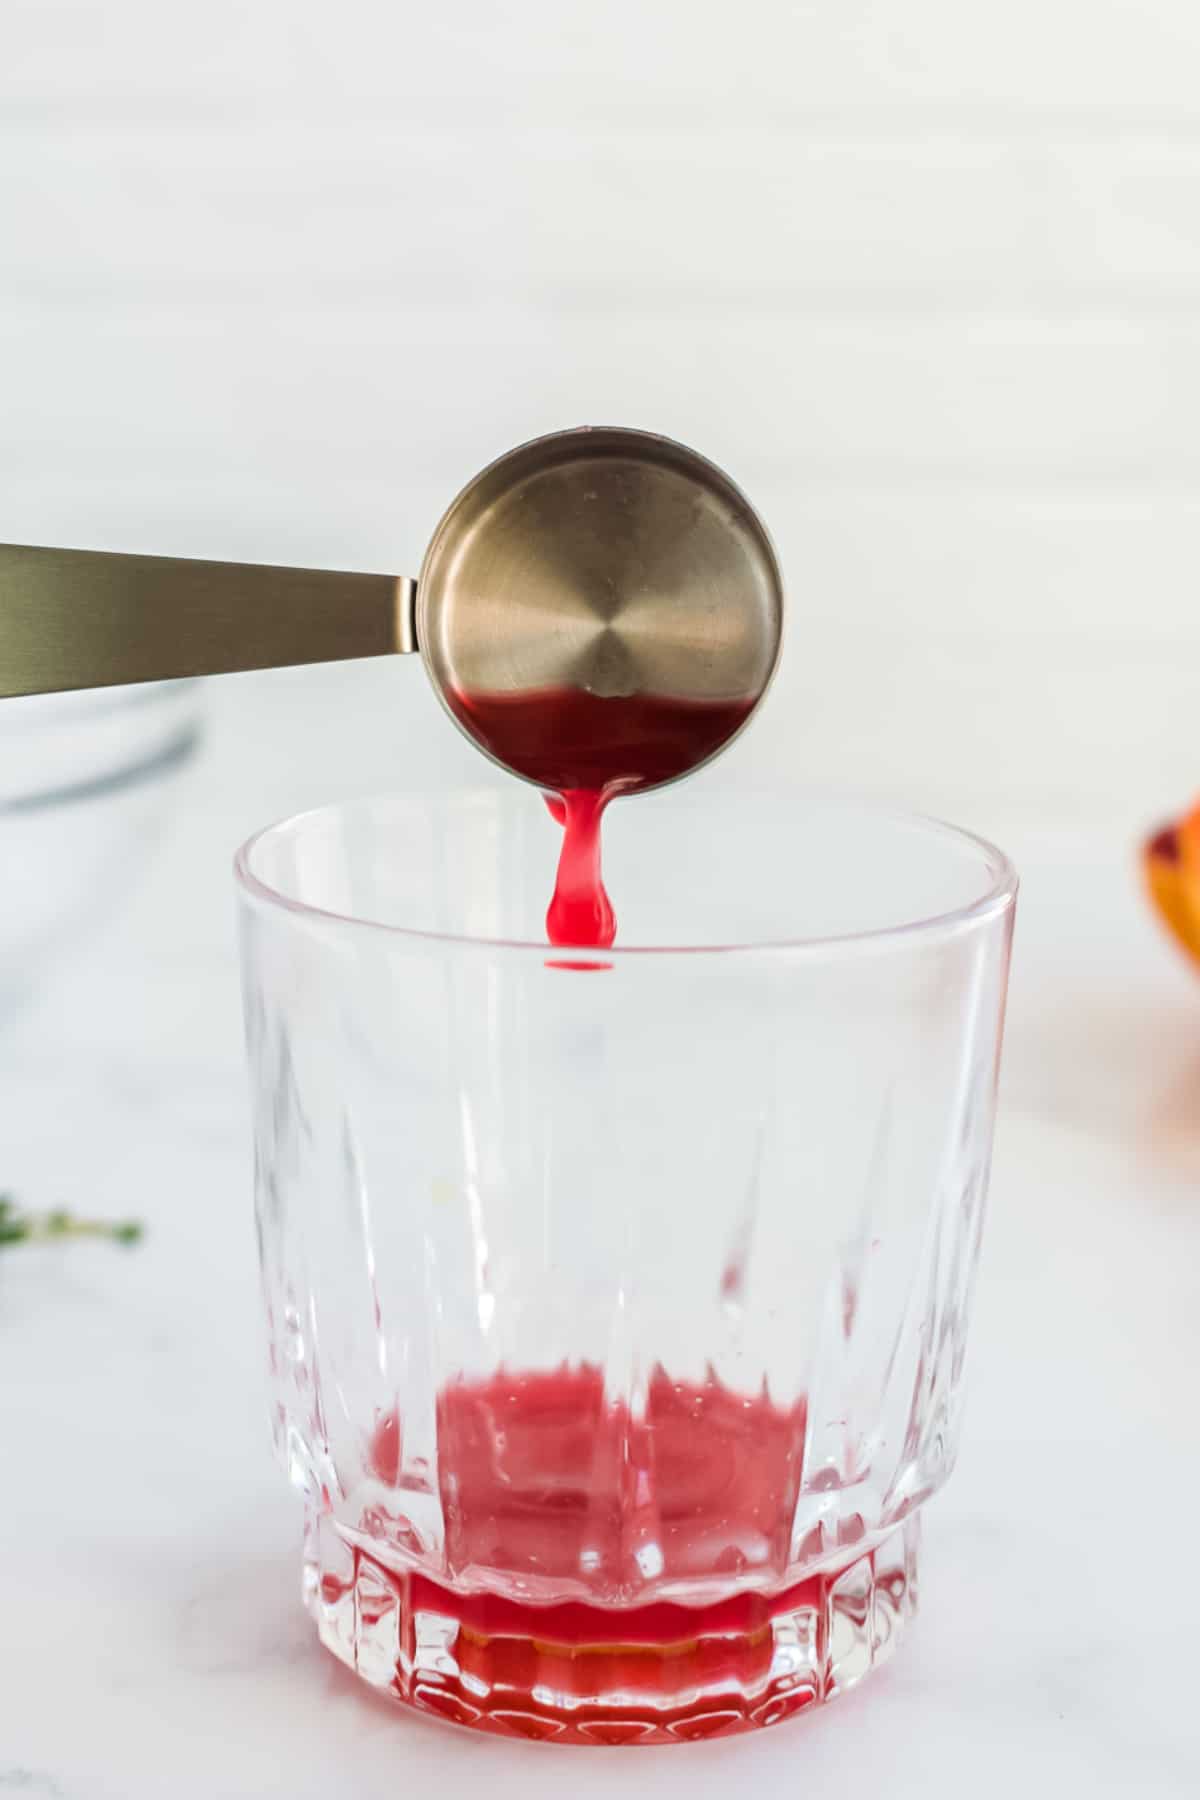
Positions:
{"x": 995, "y": 899}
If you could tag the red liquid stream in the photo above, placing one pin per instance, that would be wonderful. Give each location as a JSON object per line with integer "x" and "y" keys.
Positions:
{"x": 580, "y": 910}
{"x": 546, "y": 1479}
{"x": 585, "y": 750}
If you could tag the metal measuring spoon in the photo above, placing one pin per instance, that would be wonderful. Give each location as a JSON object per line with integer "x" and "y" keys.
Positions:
{"x": 600, "y": 607}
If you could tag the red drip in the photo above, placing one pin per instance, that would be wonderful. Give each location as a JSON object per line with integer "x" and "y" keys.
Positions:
{"x": 580, "y": 910}
{"x": 585, "y": 750}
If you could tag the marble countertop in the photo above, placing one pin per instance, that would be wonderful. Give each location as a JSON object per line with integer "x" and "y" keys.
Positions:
{"x": 152, "y": 1640}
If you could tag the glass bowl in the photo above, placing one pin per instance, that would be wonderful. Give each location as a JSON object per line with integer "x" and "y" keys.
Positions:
{"x": 84, "y": 786}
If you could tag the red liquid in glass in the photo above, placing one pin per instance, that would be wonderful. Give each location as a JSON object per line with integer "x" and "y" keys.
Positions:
{"x": 561, "y": 1488}
{"x": 585, "y": 750}
{"x": 549, "y": 1487}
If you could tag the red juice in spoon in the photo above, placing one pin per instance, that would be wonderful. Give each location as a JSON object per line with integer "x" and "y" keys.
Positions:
{"x": 584, "y": 750}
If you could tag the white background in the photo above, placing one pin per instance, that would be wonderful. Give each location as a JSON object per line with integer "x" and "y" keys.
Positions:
{"x": 274, "y": 280}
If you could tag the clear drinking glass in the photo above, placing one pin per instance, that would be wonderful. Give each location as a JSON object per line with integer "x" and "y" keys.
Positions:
{"x": 617, "y": 1300}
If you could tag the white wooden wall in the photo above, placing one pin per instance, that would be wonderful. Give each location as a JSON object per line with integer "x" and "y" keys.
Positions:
{"x": 275, "y": 277}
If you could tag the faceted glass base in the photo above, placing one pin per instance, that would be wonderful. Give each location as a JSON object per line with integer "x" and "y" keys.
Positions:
{"x": 655, "y": 1674}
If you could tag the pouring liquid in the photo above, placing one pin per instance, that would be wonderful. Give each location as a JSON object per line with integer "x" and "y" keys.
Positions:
{"x": 585, "y": 750}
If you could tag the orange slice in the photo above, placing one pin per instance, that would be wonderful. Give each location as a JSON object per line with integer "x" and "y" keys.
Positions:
{"x": 1171, "y": 860}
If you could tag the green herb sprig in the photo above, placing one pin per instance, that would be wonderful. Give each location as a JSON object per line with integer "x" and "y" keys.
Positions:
{"x": 17, "y": 1227}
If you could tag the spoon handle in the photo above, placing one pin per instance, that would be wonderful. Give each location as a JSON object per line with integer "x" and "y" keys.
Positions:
{"x": 89, "y": 618}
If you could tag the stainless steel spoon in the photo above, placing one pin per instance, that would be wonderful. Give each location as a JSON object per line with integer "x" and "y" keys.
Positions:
{"x": 590, "y": 566}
